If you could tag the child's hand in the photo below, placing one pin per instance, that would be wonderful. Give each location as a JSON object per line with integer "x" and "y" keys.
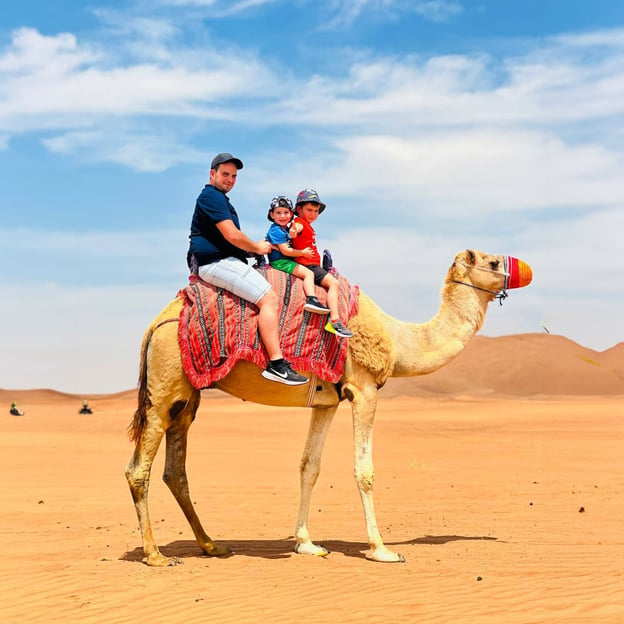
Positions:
{"x": 308, "y": 252}
{"x": 295, "y": 229}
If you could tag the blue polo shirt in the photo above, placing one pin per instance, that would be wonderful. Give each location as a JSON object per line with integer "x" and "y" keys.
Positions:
{"x": 276, "y": 236}
{"x": 207, "y": 243}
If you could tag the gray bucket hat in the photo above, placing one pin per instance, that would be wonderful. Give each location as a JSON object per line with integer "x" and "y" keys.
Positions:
{"x": 311, "y": 196}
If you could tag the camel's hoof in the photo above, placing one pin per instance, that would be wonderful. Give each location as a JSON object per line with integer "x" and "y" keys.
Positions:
{"x": 216, "y": 550}
{"x": 158, "y": 560}
{"x": 311, "y": 549}
{"x": 383, "y": 555}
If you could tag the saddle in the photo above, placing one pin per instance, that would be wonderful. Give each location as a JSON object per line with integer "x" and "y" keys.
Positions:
{"x": 217, "y": 329}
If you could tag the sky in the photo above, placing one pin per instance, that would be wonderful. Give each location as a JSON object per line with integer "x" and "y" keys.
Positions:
{"x": 426, "y": 126}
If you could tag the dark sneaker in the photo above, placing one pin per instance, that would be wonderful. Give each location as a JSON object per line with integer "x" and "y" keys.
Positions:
{"x": 261, "y": 262}
{"x": 283, "y": 373}
{"x": 338, "y": 328}
{"x": 312, "y": 304}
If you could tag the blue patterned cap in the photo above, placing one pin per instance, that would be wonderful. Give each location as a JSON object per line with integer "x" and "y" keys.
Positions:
{"x": 279, "y": 201}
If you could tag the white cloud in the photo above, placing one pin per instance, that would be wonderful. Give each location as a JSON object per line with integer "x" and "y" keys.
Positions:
{"x": 47, "y": 56}
{"x": 220, "y": 9}
{"x": 612, "y": 38}
{"x": 346, "y": 13}
{"x": 438, "y": 10}
{"x": 54, "y": 77}
{"x": 141, "y": 152}
{"x": 60, "y": 84}
{"x": 478, "y": 176}
{"x": 483, "y": 171}
{"x": 454, "y": 91}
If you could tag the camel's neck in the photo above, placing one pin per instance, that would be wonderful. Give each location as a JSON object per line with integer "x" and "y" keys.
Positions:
{"x": 423, "y": 348}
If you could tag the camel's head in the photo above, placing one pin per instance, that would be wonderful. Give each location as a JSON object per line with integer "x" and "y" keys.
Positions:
{"x": 492, "y": 274}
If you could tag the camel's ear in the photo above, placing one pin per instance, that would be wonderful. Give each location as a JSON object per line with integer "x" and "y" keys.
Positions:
{"x": 471, "y": 257}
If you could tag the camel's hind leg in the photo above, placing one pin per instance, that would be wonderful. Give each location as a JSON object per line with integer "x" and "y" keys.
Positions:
{"x": 138, "y": 476}
{"x": 309, "y": 469}
{"x": 175, "y": 476}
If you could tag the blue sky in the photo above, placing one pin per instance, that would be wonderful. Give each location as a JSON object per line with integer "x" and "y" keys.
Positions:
{"x": 426, "y": 126}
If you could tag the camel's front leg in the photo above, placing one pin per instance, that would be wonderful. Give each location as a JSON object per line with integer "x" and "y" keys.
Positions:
{"x": 175, "y": 477}
{"x": 309, "y": 469}
{"x": 363, "y": 405}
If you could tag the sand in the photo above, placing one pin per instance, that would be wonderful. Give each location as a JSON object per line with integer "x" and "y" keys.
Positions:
{"x": 507, "y": 510}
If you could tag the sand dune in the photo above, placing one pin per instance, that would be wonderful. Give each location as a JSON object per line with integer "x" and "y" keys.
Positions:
{"x": 507, "y": 508}
{"x": 522, "y": 365}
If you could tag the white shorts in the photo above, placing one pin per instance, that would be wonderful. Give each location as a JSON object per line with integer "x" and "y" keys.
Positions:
{"x": 236, "y": 276}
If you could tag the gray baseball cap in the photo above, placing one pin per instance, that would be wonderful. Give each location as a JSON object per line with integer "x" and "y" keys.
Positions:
{"x": 224, "y": 157}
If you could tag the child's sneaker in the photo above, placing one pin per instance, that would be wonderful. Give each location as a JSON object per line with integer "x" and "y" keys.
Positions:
{"x": 312, "y": 304}
{"x": 338, "y": 328}
{"x": 283, "y": 373}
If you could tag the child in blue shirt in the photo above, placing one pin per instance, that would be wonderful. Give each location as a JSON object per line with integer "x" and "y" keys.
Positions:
{"x": 280, "y": 236}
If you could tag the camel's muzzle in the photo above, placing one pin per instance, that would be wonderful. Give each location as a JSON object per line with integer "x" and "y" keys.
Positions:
{"x": 519, "y": 273}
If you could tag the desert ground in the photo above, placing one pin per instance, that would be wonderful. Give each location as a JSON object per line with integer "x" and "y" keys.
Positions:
{"x": 500, "y": 479}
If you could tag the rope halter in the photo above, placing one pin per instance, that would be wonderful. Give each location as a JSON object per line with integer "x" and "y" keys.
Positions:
{"x": 501, "y": 294}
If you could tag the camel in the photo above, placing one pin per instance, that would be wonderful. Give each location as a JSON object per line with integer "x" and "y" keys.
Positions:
{"x": 382, "y": 347}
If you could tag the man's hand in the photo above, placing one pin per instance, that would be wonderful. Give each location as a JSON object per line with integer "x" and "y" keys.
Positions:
{"x": 263, "y": 247}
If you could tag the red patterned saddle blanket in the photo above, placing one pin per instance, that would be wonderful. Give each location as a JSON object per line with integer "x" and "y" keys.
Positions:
{"x": 217, "y": 329}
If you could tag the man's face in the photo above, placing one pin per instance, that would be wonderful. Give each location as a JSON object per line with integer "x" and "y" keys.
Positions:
{"x": 224, "y": 178}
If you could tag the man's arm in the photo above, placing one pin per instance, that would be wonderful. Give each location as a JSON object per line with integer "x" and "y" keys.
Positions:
{"x": 239, "y": 239}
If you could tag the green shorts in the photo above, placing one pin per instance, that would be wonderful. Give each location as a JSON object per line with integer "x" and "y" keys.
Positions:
{"x": 284, "y": 264}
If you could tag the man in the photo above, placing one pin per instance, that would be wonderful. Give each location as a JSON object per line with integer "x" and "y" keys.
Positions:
{"x": 218, "y": 253}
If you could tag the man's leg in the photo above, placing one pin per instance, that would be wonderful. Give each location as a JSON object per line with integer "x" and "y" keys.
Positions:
{"x": 241, "y": 279}
{"x": 268, "y": 324}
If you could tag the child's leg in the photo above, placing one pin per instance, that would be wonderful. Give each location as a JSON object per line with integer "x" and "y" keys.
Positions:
{"x": 331, "y": 284}
{"x": 335, "y": 325}
{"x": 307, "y": 276}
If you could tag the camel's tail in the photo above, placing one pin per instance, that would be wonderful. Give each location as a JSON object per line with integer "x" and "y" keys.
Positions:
{"x": 169, "y": 314}
{"x": 135, "y": 428}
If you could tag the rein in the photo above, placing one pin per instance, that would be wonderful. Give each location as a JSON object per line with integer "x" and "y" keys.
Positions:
{"x": 501, "y": 295}
{"x": 498, "y": 294}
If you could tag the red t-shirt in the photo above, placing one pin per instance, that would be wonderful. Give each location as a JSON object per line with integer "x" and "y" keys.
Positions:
{"x": 307, "y": 238}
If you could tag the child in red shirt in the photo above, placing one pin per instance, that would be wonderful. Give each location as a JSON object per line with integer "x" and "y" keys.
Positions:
{"x": 308, "y": 207}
